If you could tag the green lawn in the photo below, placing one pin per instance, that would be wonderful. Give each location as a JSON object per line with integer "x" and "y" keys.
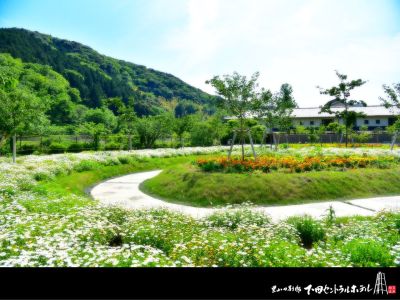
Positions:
{"x": 186, "y": 184}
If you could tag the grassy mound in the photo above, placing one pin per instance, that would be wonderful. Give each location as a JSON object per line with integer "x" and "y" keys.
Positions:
{"x": 187, "y": 184}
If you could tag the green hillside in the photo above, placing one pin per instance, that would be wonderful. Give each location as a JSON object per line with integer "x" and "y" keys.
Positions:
{"x": 98, "y": 77}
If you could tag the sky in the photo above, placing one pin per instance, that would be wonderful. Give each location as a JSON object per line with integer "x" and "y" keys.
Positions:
{"x": 288, "y": 41}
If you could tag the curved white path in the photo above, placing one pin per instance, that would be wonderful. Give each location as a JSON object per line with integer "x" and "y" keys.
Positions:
{"x": 124, "y": 191}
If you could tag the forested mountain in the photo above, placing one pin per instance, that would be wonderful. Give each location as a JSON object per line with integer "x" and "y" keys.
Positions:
{"x": 98, "y": 77}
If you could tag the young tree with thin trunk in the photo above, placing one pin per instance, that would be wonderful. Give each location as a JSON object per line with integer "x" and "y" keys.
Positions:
{"x": 126, "y": 116}
{"x": 285, "y": 105}
{"x": 336, "y": 128}
{"x": 341, "y": 96}
{"x": 95, "y": 131}
{"x": 238, "y": 96}
{"x": 181, "y": 126}
{"x": 266, "y": 111}
{"x": 275, "y": 110}
{"x": 152, "y": 128}
{"x": 392, "y": 101}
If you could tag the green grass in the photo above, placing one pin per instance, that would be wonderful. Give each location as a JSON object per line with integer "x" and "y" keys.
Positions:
{"x": 77, "y": 182}
{"x": 46, "y": 219}
{"x": 188, "y": 185}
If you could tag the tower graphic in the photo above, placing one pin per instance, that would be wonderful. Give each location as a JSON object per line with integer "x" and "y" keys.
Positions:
{"x": 380, "y": 284}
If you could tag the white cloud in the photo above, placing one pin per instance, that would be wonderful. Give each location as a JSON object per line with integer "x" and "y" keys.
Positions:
{"x": 299, "y": 42}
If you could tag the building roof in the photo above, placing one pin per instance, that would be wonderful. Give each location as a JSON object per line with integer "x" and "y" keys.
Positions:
{"x": 313, "y": 112}
{"x": 370, "y": 111}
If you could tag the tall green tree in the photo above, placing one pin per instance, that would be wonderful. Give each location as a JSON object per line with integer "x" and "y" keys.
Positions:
{"x": 53, "y": 89}
{"x": 220, "y": 129}
{"x": 95, "y": 131}
{"x": 152, "y": 128}
{"x": 238, "y": 96}
{"x": 275, "y": 110}
{"x": 337, "y": 128}
{"x": 392, "y": 101}
{"x": 126, "y": 116}
{"x": 392, "y": 94}
{"x": 285, "y": 105}
{"x": 266, "y": 109}
{"x": 341, "y": 96}
{"x": 181, "y": 126}
{"x": 20, "y": 108}
{"x": 101, "y": 116}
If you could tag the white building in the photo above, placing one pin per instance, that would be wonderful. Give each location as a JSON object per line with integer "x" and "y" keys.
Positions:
{"x": 375, "y": 116}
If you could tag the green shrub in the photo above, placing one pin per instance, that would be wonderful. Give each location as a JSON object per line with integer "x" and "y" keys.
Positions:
{"x": 28, "y": 148}
{"x": 368, "y": 253}
{"x": 40, "y": 176}
{"x": 57, "y": 147}
{"x": 86, "y": 165}
{"x": 397, "y": 223}
{"x": 111, "y": 162}
{"x": 232, "y": 219}
{"x": 383, "y": 164}
{"x": 125, "y": 160}
{"x": 117, "y": 215}
{"x": 330, "y": 217}
{"x": 310, "y": 231}
{"x": 75, "y": 147}
{"x": 113, "y": 146}
{"x": 46, "y": 142}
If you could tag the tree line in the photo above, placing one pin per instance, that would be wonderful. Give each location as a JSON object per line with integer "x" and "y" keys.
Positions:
{"x": 34, "y": 99}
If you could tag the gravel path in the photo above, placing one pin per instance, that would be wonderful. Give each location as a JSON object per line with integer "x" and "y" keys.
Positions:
{"x": 124, "y": 191}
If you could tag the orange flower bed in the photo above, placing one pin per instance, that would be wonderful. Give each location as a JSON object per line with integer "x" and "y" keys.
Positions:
{"x": 294, "y": 164}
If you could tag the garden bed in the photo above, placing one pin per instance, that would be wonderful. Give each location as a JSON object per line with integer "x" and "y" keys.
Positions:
{"x": 298, "y": 164}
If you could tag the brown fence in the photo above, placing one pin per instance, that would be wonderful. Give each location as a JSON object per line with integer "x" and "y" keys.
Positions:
{"x": 77, "y": 143}
{"x": 374, "y": 138}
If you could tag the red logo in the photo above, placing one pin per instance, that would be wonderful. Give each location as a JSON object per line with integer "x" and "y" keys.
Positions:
{"x": 391, "y": 289}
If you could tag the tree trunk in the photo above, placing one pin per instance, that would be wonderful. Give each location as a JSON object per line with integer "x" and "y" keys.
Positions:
{"x": 346, "y": 137}
{"x": 276, "y": 138}
{"x": 272, "y": 138}
{"x": 263, "y": 137}
{"x": 14, "y": 144}
{"x": 242, "y": 142}
{"x": 231, "y": 147}
{"x": 130, "y": 142}
{"x": 393, "y": 140}
{"x": 252, "y": 145}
